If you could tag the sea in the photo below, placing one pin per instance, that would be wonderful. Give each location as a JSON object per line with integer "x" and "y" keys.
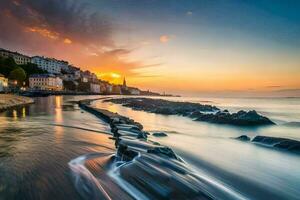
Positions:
{"x": 39, "y": 141}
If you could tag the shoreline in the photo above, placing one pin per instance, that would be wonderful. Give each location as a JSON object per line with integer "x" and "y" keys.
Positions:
{"x": 43, "y": 93}
{"x": 9, "y": 101}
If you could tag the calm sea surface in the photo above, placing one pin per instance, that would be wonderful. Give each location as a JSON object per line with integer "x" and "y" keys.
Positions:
{"x": 38, "y": 141}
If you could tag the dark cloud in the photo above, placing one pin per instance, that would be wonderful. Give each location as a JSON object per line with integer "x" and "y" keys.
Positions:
{"x": 55, "y": 18}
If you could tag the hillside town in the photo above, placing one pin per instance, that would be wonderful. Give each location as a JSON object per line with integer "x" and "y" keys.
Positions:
{"x": 49, "y": 75}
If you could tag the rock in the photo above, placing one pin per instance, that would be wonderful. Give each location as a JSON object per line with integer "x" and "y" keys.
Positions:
{"x": 244, "y": 138}
{"x": 161, "y": 106}
{"x": 165, "y": 151}
{"x": 241, "y": 118}
{"x": 279, "y": 143}
{"x": 159, "y": 134}
{"x": 199, "y": 112}
{"x": 158, "y": 177}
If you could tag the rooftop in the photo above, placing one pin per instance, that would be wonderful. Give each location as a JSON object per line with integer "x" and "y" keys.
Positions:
{"x": 51, "y": 59}
{"x": 42, "y": 75}
{"x": 17, "y": 53}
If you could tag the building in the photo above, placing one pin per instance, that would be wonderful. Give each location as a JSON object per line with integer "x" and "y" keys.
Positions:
{"x": 124, "y": 86}
{"x": 116, "y": 89}
{"x": 50, "y": 65}
{"x": 3, "y": 83}
{"x": 45, "y": 82}
{"x": 95, "y": 88}
{"x": 77, "y": 74}
{"x": 109, "y": 89}
{"x": 20, "y": 59}
{"x": 134, "y": 91}
{"x": 93, "y": 77}
{"x": 68, "y": 77}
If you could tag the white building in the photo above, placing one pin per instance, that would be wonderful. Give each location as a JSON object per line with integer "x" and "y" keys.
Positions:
{"x": 45, "y": 82}
{"x": 134, "y": 91}
{"x": 109, "y": 88}
{"x": 51, "y": 65}
{"x": 95, "y": 88}
{"x": 68, "y": 77}
{"x": 3, "y": 83}
{"x": 20, "y": 59}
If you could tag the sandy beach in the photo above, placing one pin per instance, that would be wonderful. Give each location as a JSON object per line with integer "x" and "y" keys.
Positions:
{"x": 8, "y": 101}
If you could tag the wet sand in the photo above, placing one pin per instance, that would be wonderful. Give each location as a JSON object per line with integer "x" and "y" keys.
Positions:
{"x": 9, "y": 101}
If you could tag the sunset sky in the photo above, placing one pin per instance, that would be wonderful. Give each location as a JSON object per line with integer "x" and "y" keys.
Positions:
{"x": 178, "y": 46}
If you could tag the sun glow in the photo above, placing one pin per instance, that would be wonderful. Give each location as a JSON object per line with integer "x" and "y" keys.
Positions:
{"x": 112, "y": 77}
{"x": 115, "y": 75}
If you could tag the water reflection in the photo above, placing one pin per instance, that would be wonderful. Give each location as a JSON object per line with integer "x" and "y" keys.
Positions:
{"x": 34, "y": 154}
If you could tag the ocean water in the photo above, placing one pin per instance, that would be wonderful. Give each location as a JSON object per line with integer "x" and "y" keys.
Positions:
{"x": 53, "y": 150}
{"x": 251, "y": 170}
{"x": 38, "y": 141}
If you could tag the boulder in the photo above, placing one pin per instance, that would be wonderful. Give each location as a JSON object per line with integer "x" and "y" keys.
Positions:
{"x": 159, "y": 134}
{"x": 279, "y": 143}
{"x": 244, "y": 138}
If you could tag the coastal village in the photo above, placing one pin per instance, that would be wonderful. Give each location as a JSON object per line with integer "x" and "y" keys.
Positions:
{"x": 20, "y": 73}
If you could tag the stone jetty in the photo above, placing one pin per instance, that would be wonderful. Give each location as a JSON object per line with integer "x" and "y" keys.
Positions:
{"x": 147, "y": 165}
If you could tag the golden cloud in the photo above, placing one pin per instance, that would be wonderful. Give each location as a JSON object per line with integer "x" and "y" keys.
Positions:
{"x": 67, "y": 41}
{"x": 165, "y": 38}
{"x": 44, "y": 32}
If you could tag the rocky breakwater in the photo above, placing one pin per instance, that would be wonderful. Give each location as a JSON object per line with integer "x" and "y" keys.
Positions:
{"x": 196, "y": 111}
{"x": 142, "y": 168}
{"x": 8, "y": 101}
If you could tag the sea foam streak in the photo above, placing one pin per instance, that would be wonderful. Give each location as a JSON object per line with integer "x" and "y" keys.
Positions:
{"x": 86, "y": 184}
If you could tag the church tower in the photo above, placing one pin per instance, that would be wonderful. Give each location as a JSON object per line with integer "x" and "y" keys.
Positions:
{"x": 124, "y": 83}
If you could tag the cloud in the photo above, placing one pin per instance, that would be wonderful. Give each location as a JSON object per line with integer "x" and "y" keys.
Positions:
{"x": 118, "y": 52}
{"x": 165, "y": 38}
{"x": 64, "y": 29}
{"x": 189, "y": 13}
{"x": 274, "y": 86}
{"x": 55, "y": 19}
{"x": 67, "y": 41}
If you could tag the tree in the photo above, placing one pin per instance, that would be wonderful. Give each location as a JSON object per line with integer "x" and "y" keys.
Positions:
{"x": 18, "y": 74}
{"x": 83, "y": 87}
{"x": 70, "y": 85}
{"x": 7, "y": 65}
{"x": 31, "y": 68}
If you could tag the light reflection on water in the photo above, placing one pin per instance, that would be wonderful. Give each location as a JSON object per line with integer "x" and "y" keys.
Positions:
{"x": 252, "y": 169}
{"x": 34, "y": 153}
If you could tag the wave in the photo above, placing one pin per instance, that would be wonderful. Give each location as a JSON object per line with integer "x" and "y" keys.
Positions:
{"x": 85, "y": 183}
{"x": 132, "y": 174}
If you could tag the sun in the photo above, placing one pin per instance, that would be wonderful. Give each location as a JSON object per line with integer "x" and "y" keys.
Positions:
{"x": 115, "y": 75}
